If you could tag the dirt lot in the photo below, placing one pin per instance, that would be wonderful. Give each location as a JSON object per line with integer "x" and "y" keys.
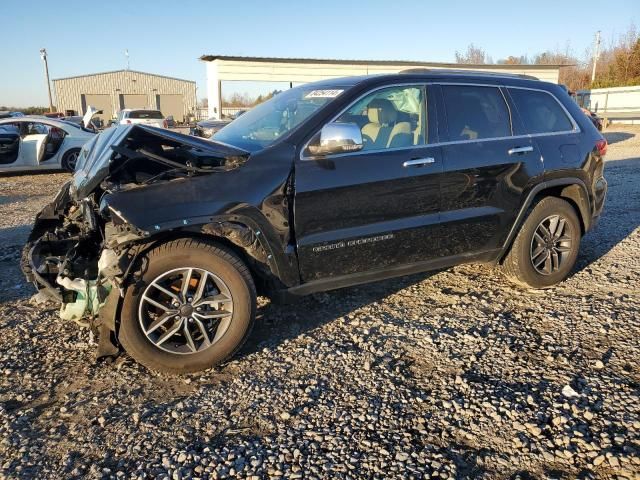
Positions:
{"x": 452, "y": 374}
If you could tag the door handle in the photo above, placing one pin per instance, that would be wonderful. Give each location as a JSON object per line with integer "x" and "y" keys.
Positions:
{"x": 516, "y": 150}
{"x": 416, "y": 162}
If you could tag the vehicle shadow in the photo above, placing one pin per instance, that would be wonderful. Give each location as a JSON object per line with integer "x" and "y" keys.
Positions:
{"x": 616, "y": 137}
{"x": 621, "y": 214}
{"x": 277, "y": 323}
{"x": 31, "y": 173}
{"x": 13, "y": 285}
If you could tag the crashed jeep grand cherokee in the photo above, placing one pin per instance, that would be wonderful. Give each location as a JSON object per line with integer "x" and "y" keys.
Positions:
{"x": 161, "y": 241}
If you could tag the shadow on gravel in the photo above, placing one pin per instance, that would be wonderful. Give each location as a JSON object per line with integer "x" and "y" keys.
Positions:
{"x": 276, "y": 324}
{"x": 13, "y": 286}
{"x": 621, "y": 215}
{"x": 7, "y": 199}
{"x": 615, "y": 137}
{"x": 28, "y": 173}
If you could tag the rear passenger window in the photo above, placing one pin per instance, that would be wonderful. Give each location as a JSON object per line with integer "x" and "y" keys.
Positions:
{"x": 475, "y": 112}
{"x": 540, "y": 111}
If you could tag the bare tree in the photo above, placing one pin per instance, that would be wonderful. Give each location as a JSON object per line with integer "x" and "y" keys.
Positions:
{"x": 473, "y": 56}
{"x": 512, "y": 60}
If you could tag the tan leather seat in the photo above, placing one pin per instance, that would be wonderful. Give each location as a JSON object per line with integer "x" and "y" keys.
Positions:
{"x": 382, "y": 116}
{"x": 382, "y": 131}
{"x": 400, "y": 136}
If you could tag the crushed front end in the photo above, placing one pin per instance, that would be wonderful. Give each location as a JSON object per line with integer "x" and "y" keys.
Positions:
{"x": 67, "y": 260}
{"x": 81, "y": 250}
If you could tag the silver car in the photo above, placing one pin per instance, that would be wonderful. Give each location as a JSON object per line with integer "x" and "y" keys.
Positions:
{"x": 40, "y": 143}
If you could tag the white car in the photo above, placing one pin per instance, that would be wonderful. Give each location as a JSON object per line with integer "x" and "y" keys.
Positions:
{"x": 40, "y": 143}
{"x": 147, "y": 117}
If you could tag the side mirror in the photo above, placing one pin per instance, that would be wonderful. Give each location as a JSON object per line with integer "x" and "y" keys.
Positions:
{"x": 337, "y": 138}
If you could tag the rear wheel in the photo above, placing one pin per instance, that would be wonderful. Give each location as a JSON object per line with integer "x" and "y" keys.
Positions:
{"x": 70, "y": 159}
{"x": 192, "y": 309}
{"x": 546, "y": 247}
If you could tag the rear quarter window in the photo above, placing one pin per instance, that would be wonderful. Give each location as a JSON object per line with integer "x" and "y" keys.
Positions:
{"x": 540, "y": 111}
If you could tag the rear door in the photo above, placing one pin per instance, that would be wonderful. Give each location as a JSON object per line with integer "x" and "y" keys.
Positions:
{"x": 378, "y": 207}
{"x": 553, "y": 130}
{"x": 488, "y": 163}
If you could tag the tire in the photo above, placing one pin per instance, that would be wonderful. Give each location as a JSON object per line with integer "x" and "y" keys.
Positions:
{"x": 69, "y": 159}
{"x": 519, "y": 266}
{"x": 171, "y": 262}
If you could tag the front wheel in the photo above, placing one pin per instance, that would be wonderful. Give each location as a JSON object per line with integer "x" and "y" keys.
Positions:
{"x": 546, "y": 247}
{"x": 192, "y": 308}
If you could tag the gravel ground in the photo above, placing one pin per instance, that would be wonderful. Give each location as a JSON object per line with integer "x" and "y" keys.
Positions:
{"x": 451, "y": 374}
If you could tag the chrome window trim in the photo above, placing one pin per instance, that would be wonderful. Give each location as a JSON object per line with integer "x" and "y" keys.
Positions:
{"x": 576, "y": 127}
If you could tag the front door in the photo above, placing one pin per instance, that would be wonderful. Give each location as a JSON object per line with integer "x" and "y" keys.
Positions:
{"x": 375, "y": 208}
{"x": 487, "y": 166}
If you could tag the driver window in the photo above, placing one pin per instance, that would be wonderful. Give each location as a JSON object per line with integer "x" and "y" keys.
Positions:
{"x": 390, "y": 118}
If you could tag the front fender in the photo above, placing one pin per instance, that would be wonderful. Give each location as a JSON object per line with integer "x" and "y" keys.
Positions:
{"x": 263, "y": 233}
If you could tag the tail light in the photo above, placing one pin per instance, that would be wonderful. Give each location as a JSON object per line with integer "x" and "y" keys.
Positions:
{"x": 129, "y": 122}
{"x": 165, "y": 124}
{"x": 602, "y": 145}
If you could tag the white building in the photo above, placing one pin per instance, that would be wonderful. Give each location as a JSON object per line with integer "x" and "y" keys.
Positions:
{"x": 303, "y": 70}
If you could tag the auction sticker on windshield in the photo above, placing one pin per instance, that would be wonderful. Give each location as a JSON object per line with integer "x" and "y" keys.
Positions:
{"x": 323, "y": 93}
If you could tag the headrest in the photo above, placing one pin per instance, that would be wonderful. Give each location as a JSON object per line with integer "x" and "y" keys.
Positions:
{"x": 381, "y": 111}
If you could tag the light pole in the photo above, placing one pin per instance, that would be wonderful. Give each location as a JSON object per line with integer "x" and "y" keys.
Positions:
{"x": 596, "y": 54}
{"x": 43, "y": 55}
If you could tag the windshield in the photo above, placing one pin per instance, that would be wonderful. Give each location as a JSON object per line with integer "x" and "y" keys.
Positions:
{"x": 266, "y": 123}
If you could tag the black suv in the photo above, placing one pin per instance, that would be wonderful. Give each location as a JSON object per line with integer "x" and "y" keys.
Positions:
{"x": 161, "y": 241}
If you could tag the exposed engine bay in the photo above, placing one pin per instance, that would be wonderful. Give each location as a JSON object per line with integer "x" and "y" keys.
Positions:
{"x": 82, "y": 250}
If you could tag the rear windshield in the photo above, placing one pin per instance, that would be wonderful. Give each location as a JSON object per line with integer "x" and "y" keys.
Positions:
{"x": 154, "y": 114}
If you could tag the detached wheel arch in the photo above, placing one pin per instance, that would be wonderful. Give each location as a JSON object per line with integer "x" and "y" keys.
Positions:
{"x": 190, "y": 307}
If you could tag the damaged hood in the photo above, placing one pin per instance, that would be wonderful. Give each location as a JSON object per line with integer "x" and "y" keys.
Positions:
{"x": 100, "y": 156}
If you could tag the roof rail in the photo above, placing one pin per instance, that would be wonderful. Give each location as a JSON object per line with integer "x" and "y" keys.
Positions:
{"x": 468, "y": 72}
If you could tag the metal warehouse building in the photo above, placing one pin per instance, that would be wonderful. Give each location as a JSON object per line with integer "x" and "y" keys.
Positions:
{"x": 119, "y": 89}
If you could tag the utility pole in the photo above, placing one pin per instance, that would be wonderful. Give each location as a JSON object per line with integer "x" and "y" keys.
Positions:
{"x": 596, "y": 54}
{"x": 126, "y": 54}
{"x": 43, "y": 55}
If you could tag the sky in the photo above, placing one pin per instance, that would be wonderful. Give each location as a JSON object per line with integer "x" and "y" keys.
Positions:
{"x": 168, "y": 37}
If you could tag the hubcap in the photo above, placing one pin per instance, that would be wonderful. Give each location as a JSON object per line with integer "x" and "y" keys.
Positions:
{"x": 551, "y": 244}
{"x": 185, "y": 310}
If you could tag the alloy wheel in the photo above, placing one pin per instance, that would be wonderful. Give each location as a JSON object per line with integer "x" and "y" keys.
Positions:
{"x": 185, "y": 310}
{"x": 72, "y": 160}
{"x": 551, "y": 244}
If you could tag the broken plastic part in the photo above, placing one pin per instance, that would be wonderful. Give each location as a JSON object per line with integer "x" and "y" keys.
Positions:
{"x": 87, "y": 301}
{"x": 108, "y": 264}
